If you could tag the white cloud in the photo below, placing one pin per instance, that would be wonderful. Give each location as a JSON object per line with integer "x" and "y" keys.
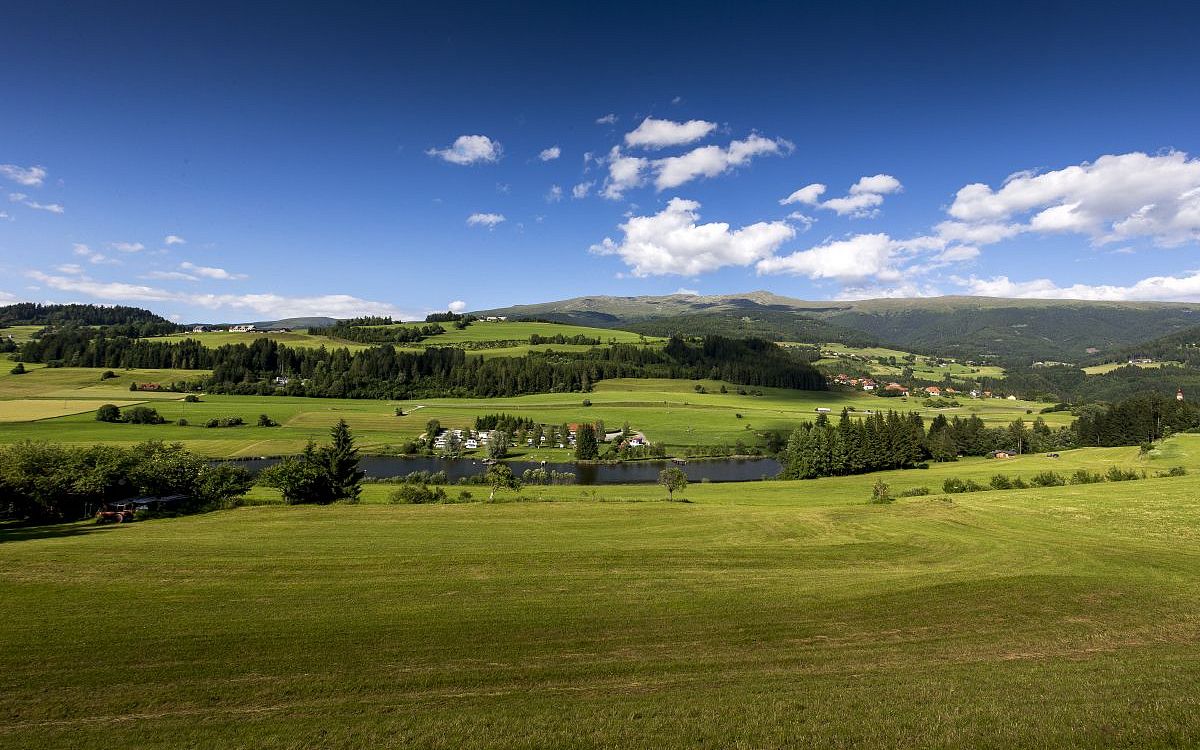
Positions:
{"x": 984, "y": 233}
{"x": 656, "y": 134}
{"x": 264, "y": 304}
{"x": 174, "y": 239}
{"x": 550, "y": 154}
{"x": 805, "y": 221}
{"x": 127, "y": 247}
{"x": 861, "y": 257}
{"x": 170, "y": 276}
{"x": 710, "y": 161}
{"x": 93, "y": 256}
{"x": 862, "y": 201}
{"x": 25, "y": 200}
{"x": 608, "y": 119}
{"x": 554, "y": 194}
{"x": 624, "y": 173}
{"x": 4, "y": 216}
{"x": 484, "y": 220}
{"x": 687, "y": 292}
{"x": 672, "y": 242}
{"x": 7, "y": 298}
{"x": 1168, "y": 288}
{"x": 880, "y": 184}
{"x": 809, "y": 195}
{"x": 27, "y": 176}
{"x": 469, "y": 149}
{"x": 582, "y": 189}
{"x": 210, "y": 272}
{"x": 69, "y": 268}
{"x": 457, "y": 306}
{"x": 1115, "y": 198}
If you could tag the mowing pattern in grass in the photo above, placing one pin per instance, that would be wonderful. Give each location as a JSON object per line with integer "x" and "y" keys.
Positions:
{"x": 1063, "y": 617}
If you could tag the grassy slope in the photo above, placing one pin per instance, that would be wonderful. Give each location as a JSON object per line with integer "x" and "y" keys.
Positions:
{"x": 1044, "y": 618}
{"x": 667, "y": 411}
{"x": 920, "y": 368}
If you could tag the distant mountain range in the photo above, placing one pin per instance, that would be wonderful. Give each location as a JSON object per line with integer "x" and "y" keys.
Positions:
{"x": 969, "y": 327}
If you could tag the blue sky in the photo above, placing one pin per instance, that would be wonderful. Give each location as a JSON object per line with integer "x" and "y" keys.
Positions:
{"x": 329, "y": 159}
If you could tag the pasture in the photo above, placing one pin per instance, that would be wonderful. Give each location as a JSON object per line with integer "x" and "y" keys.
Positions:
{"x": 757, "y": 615}
{"x": 668, "y": 411}
{"x": 920, "y": 366}
{"x": 1109, "y": 367}
{"x": 298, "y": 339}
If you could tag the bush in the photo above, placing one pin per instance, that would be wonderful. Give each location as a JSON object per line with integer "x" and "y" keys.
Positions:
{"x": 916, "y": 492}
{"x": 954, "y": 485}
{"x": 1048, "y": 479}
{"x": 417, "y": 494}
{"x": 182, "y": 422}
{"x": 18, "y": 370}
{"x": 587, "y": 402}
{"x": 266, "y": 421}
{"x": 1117, "y": 474}
{"x": 107, "y": 375}
{"x": 881, "y": 492}
{"x": 191, "y": 398}
{"x": 225, "y": 422}
{"x": 143, "y": 415}
{"x": 108, "y": 413}
{"x": 1001, "y": 482}
{"x": 1083, "y": 476}
{"x": 1174, "y": 471}
{"x": 464, "y": 496}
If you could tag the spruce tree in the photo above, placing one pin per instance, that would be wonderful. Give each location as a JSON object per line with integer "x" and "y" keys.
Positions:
{"x": 341, "y": 463}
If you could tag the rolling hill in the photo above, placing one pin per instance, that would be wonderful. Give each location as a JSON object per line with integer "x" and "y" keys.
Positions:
{"x": 1013, "y": 330}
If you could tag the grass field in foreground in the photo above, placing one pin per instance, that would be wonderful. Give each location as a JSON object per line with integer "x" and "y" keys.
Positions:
{"x": 1063, "y": 617}
{"x": 668, "y": 411}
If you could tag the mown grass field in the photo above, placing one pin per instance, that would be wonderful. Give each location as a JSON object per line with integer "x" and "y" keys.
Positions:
{"x": 1109, "y": 367}
{"x": 781, "y": 615}
{"x": 668, "y": 411}
{"x": 20, "y": 334}
{"x": 920, "y": 368}
{"x": 299, "y": 339}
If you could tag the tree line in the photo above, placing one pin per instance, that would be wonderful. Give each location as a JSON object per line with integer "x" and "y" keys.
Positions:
{"x": 385, "y": 372}
{"x": 880, "y": 442}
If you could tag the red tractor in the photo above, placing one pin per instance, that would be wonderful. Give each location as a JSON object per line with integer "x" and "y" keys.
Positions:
{"x": 115, "y": 513}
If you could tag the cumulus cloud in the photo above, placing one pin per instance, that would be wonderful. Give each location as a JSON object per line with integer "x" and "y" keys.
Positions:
{"x": 469, "y": 149}
{"x": 582, "y": 189}
{"x": 673, "y": 242}
{"x": 710, "y": 161}
{"x": 27, "y": 176}
{"x": 457, "y": 306}
{"x": 1185, "y": 288}
{"x": 127, "y": 247}
{"x": 861, "y": 257}
{"x": 210, "y": 272}
{"x": 687, "y": 292}
{"x": 655, "y": 134}
{"x": 25, "y": 200}
{"x": 608, "y": 119}
{"x": 169, "y": 276}
{"x": 550, "y": 154}
{"x": 485, "y": 220}
{"x": 92, "y": 256}
{"x": 554, "y": 194}
{"x": 69, "y": 268}
{"x": 174, "y": 239}
{"x": 624, "y": 173}
{"x": 1116, "y": 198}
{"x": 862, "y": 201}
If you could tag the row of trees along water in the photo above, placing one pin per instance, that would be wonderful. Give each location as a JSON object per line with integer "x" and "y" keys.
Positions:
{"x": 385, "y": 372}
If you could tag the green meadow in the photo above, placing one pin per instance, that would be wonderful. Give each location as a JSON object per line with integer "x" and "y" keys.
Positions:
{"x": 667, "y": 411}
{"x": 920, "y": 367}
{"x": 768, "y": 614}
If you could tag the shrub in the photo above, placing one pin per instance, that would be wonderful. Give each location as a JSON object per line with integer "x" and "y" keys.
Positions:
{"x": 417, "y": 494}
{"x": 1083, "y": 476}
{"x": 191, "y": 398}
{"x": 19, "y": 369}
{"x": 587, "y": 402}
{"x": 954, "y": 485}
{"x": 1117, "y": 474}
{"x": 464, "y": 496}
{"x": 182, "y": 422}
{"x": 107, "y": 375}
{"x": 1048, "y": 479}
{"x": 1001, "y": 482}
{"x": 916, "y": 492}
{"x": 1174, "y": 471}
{"x": 108, "y": 413}
{"x": 225, "y": 422}
{"x": 881, "y": 492}
{"x": 266, "y": 421}
{"x": 143, "y": 415}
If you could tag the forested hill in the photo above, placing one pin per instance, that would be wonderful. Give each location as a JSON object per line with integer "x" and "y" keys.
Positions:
{"x": 1183, "y": 346}
{"x": 29, "y": 313}
{"x": 1011, "y": 330}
